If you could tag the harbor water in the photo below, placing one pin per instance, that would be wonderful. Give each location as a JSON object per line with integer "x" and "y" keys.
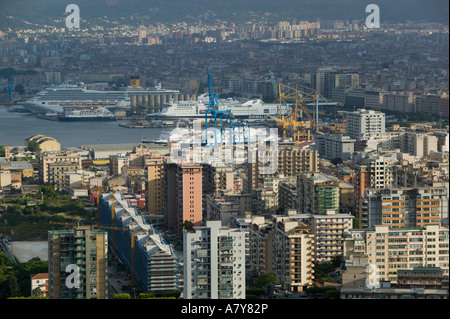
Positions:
{"x": 15, "y": 127}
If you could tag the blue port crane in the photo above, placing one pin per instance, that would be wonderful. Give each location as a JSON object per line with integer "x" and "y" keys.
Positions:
{"x": 9, "y": 90}
{"x": 220, "y": 115}
{"x": 213, "y": 109}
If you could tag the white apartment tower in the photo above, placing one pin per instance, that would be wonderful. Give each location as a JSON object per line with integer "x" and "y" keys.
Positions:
{"x": 365, "y": 122}
{"x": 214, "y": 262}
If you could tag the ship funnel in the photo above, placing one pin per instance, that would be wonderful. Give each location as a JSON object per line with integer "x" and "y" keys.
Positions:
{"x": 134, "y": 81}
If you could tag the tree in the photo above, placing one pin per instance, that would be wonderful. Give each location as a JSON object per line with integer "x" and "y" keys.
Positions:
{"x": 265, "y": 280}
{"x": 188, "y": 225}
{"x": 2, "y": 151}
{"x": 33, "y": 146}
{"x": 13, "y": 286}
{"x": 37, "y": 292}
{"x": 172, "y": 293}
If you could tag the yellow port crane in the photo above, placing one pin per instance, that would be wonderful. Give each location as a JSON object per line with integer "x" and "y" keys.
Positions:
{"x": 299, "y": 97}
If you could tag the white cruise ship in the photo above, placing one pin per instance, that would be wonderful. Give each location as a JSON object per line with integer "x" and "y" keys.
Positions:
{"x": 252, "y": 109}
{"x": 55, "y": 99}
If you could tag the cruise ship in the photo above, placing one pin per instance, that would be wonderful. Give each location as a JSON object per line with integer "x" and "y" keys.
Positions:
{"x": 55, "y": 99}
{"x": 250, "y": 110}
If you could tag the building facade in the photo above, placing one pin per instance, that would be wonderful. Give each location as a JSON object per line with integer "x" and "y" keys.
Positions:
{"x": 214, "y": 262}
{"x": 84, "y": 249}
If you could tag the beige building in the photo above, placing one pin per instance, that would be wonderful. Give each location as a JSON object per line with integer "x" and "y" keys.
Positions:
{"x": 403, "y": 248}
{"x": 291, "y": 161}
{"x": 117, "y": 163}
{"x": 155, "y": 188}
{"x": 329, "y": 231}
{"x": 418, "y": 144}
{"x": 5, "y": 178}
{"x": 293, "y": 247}
{"x": 46, "y": 143}
{"x": 45, "y": 159}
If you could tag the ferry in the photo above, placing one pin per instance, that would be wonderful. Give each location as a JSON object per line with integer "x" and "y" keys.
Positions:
{"x": 86, "y": 114}
{"x": 254, "y": 109}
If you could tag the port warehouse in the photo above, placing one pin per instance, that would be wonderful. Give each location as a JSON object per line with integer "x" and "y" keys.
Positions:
{"x": 156, "y": 264}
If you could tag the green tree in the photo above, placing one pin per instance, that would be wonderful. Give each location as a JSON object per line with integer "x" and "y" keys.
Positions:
{"x": 265, "y": 280}
{"x": 2, "y": 151}
{"x": 33, "y": 146}
{"x": 188, "y": 225}
{"x": 37, "y": 292}
{"x": 13, "y": 286}
{"x": 173, "y": 293}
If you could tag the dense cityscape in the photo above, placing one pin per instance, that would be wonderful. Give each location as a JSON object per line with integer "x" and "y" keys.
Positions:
{"x": 328, "y": 177}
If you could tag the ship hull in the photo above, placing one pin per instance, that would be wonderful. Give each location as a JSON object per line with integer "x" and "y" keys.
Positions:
{"x": 86, "y": 119}
{"x": 202, "y": 117}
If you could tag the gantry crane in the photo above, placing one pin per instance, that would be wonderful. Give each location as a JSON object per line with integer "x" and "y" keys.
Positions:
{"x": 9, "y": 89}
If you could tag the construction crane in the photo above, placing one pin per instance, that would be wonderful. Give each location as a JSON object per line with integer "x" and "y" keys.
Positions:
{"x": 301, "y": 97}
{"x": 132, "y": 230}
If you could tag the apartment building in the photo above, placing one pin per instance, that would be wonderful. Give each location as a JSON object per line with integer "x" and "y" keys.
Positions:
{"x": 218, "y": 178}
{"x": 291, "y": 161}
{"x": 261, "y": 243}
{"x": 152, "y": 262}
{"x": 364, "y": 122}
{"x": 329, "y": 232}
{"x": 182, "y": 196}
{"x": 429, "y": 103}
{"x": 293, "y": 248}
{"x": 287, "y": 196}
{"x": 371, "y": 172}
{"x": 71, "y": 159}
{"x": 214, "y": 262}
{"x": 333, "y": 146}
{"x": 399, "y": 102}
{"x": 405, "y": 206}
{"x": 418, "y": 144}
{"x": 393, "y": 249}
{"x": 154, "y": 174}
{"x": 117, "y": 162}
{"x": 84, "y": 249}
{"x": 416, "y": 283}
{"x": 317, "y": 193}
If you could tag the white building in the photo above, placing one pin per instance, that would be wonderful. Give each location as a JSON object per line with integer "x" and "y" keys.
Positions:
{"x": 365, "y": 122}
{"x": 331, "y": 146}
{"x": 214, "y": 262}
